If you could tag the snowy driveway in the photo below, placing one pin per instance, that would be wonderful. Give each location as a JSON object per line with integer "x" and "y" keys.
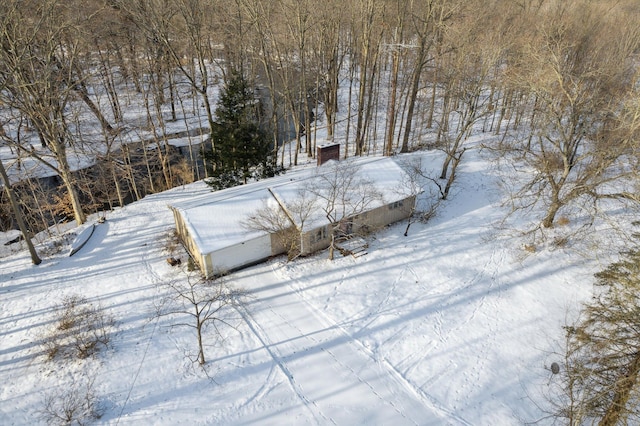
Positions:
{"x": 336, "y": 379}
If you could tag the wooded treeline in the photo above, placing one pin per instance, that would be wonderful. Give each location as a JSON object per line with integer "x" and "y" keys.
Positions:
{"x": 554, "y": 82}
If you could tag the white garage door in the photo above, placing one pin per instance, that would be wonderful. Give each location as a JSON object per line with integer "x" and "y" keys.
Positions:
{"x": 242, "y": 254}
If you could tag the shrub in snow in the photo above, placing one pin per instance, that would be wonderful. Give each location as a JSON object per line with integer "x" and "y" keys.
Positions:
{"x": 80, "y": 329}
{"x": 76, "y": 404}
{"x": 172, "y": 241}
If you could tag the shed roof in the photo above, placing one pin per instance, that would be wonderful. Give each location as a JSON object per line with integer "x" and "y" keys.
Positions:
{"x": 215, "y": 220}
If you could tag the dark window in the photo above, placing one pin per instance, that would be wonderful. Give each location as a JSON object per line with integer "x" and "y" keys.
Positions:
{"x": 396, "y": 205}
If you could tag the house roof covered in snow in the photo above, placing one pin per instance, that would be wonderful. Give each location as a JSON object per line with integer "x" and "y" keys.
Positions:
{"x": 215, "y": 220}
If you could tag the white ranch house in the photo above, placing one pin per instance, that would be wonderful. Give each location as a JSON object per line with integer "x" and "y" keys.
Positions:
{"x": 212, "y": 229}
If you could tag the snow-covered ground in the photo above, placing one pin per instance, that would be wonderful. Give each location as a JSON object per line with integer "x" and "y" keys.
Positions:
{"x": 454, "y": 324}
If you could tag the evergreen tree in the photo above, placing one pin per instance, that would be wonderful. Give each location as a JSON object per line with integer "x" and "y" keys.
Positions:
{"x": 241, "y": 149}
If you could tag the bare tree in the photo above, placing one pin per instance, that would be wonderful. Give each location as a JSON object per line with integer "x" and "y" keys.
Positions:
{"x": 468, "y": 68}
{"x": 414, "y": 183}
{"x": 580, "y": 70}
{"x": 300, "y": 21}
{"x": 182, "y": 32}
{"x": 201, "y": 302}
{"x": 330, "y": 54}
{"x": 430, "y": 20}
{"x": 395, "y": 47}
{"x": 342, "y": 193}
{"x": 35, "y": 259}
{"x": 35, "y": 83}
{"x": 286, "y": 223}
{"x": 35, "y": 203}
{"x": 368, "y": 38}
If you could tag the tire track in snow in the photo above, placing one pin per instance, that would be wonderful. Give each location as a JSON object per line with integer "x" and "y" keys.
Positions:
{"x": 260, "y": 334}
{"x": 397, "y": 375}
{"x": 266, "y": 386}
{"x": 320, "y": 344}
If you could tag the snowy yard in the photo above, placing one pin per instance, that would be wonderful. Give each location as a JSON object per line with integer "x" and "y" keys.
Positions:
{"x": 454, "y": 324}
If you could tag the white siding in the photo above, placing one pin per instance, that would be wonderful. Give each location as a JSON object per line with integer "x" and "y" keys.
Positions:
{"x": 242, "y": 254}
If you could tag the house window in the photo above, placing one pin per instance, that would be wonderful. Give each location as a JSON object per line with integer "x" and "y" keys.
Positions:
{"x": 319, "y": 235}
{"x": 396, "y": 205}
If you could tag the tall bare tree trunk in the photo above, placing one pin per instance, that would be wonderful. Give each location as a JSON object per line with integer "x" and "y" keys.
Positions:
{"x": 35, "y": 259}
{"x": 391, "y": 117}
{"x": 64, "y": 170}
